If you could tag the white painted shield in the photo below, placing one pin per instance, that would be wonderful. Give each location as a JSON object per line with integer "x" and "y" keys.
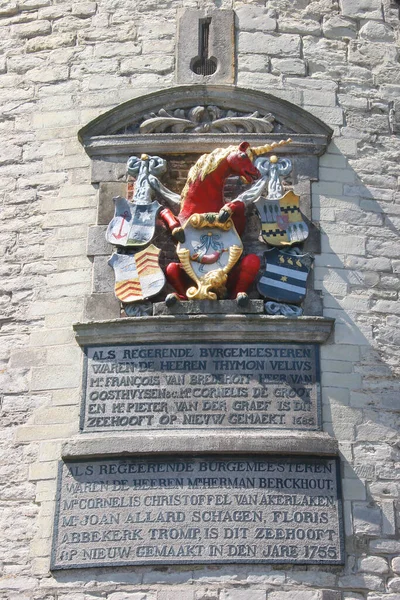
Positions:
{"x": 137, "y": 276}
{"x": 133, "y": 224}
{"x": 209, "y": 247}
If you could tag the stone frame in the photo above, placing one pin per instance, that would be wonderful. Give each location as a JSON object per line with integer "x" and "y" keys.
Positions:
{"x": 109, "y": 150}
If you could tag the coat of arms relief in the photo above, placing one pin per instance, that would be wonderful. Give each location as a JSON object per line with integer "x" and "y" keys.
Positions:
{"x": 207, "y": 227}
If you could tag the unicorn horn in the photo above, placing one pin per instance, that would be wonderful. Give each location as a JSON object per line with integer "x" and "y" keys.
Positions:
{"x": 268, "y": 147}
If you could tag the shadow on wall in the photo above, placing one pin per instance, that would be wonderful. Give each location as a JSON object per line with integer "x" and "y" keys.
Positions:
{"x": 360, "y": 385}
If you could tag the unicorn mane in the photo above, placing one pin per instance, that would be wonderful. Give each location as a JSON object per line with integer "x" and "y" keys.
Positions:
{"x": 206, "y": 164}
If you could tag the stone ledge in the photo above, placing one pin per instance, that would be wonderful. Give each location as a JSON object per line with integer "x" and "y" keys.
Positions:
{"x": 317, "y": 443}
{"x": 202, "y": 328}
{"x": 208, "y": 307}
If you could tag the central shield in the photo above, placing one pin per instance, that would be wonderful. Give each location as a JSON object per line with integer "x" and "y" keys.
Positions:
{"x": 209, "y": 252}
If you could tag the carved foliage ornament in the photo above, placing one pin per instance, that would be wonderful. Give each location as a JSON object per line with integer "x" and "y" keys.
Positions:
{"x": 202, "y": 119}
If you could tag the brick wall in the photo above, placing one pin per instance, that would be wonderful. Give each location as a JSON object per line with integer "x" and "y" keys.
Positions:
{"x": 61, "y": 65}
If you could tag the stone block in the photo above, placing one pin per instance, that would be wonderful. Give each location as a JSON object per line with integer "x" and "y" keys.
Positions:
{"x": 301, "y": 26}
{"x": 18, "y": 583}
{"x": 69, "y": 277}
{"x": 206, "y": 594}
{"x": 83, "y": 9}
{"x": 350, "y": 244}
{"x": 387, "y": 307}
{"x": 374, "y": 564}
{"x": 33, "y": 4}
{"x": 8, "y": 9}
{"x": 102, "y": 307}
{"x": 255, "y": 63}
{"x": 208, "y": 307}
{"x": 134, "y": 596}
{"x": 237, "y": 594}
{"x": 323, "y": 54}
{"x": 184, "y": 442}
{"x": 14, "y": 381}
{"x": 367, "y": 54}
{"x": 394, "y": 584}
{"x": 29, "y": 433}
{"x": 49, "y": 451}
{"x": 159, "y": 63}
{"x": 366, "y": 582}
{"x": 388, "y": 517}
{"x": 396, "y": 565}
{"x": 384, "y": 546}
{"x": 299, "y": 594}
{"x": 332, "y": 174}
{"x": 97, "y": 244}
{"x": 44, "y": 378}
{"x": 32, "y": 29}
{"x": 362, "y": 9}
{"x": 288, "y": 66}
{"x": 377, "y": 32}
{"x": 50, "y": 42}
{"x": 103, "y": 275}
{"x": 331, "y": 115}
{"x": 353, "y": 489}
{"x": 108, "y": 191}
{"x": 255, "y": 18}
{"x": 45, "y": 470}
{"x": 271, "y": 44}
{"x": 113, "y": 49}
{"x": 337, "y": 26}
{"x": 176, "y": 594}
{"x": 109, "y": 170}
{"x": 63, "y": 355}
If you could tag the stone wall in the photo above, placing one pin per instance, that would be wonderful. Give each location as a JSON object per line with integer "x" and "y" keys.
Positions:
{"x": 62, "y": 64}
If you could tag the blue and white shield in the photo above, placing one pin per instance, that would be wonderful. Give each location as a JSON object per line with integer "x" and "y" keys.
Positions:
{"x": 285, "y": 276}
{"x": 133, "y": 224}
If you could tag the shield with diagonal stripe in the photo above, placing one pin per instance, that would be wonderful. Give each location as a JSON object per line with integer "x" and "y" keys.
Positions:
{"x": 285, "y": 276}
{"x": 137, "y": 276}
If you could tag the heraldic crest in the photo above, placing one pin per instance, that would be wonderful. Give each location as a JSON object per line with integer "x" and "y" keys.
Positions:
{"x": 208, "y": 232}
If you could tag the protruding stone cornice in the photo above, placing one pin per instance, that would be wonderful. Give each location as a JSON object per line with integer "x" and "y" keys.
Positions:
{"x": 199, "y": 328}
{"x": 103, "y": 136}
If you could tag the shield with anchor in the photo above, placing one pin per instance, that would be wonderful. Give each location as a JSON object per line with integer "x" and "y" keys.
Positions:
{"x": 133, "y": 224}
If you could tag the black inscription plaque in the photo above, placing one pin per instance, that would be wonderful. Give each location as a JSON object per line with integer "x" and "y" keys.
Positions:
{"x": 164, "y": 386}
{"x": 233, "y": 509}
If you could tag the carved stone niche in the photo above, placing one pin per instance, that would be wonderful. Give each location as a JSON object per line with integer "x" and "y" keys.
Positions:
{"x": 180, "y": 124}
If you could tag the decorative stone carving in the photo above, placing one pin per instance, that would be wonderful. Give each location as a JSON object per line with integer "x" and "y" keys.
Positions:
{"x": 117, "y": 132}
{"x": 202, "y": 119}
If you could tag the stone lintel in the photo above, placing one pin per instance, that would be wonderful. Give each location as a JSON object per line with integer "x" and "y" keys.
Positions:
{"x": 203, "y": 327}
{"x": 269, "y": 442}
{"x": 175, "y": 143}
